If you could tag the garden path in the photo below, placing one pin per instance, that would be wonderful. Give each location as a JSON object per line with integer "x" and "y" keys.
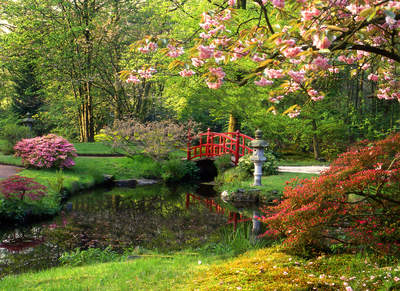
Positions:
{"x": 303, "y": 169}
{"x": 7, "y": 171}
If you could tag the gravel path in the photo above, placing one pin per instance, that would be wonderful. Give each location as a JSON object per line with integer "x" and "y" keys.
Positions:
{"x": 7, "y": 171}
{"x": 303, "y": 169}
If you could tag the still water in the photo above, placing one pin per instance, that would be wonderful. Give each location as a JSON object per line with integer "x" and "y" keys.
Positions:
{"x": 151, "y": 217}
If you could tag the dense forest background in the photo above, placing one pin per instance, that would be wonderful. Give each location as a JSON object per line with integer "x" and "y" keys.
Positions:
{"x": 60, "y": 63}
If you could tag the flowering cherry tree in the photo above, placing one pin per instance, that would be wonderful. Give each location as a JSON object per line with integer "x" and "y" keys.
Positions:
{"x": 288, "y": 45}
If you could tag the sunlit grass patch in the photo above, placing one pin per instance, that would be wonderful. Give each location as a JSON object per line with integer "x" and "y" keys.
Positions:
{"x": 266, "y": 269}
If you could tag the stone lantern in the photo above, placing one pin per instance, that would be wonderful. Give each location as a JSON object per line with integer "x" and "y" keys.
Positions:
{"x": 28, "y": 121}
{"x": 258, "y": 145}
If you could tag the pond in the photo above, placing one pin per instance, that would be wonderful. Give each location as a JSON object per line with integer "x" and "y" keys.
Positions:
{"x": 150, "y": 217}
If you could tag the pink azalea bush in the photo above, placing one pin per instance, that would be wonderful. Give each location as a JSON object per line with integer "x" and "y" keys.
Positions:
{"x": 50, "y": 151}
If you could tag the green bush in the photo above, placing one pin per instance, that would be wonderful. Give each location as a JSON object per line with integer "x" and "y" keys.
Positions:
{"x": 270, "y": 166}
{"x": 232, "y": 176}
{"x": 223, "y": 163}
{"x": 13, "y": 133}
{"x": 176, "y": 170}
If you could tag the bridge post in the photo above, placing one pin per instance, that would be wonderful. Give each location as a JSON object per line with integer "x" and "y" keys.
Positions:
{"x": 208, "y": 142}
{"x": 189, "y": 143}
{"x": 237, "y": 147}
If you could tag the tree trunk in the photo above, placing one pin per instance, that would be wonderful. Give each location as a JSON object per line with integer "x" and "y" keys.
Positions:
{"x": 232, "y": 123}
{"x": 317, "y": 154}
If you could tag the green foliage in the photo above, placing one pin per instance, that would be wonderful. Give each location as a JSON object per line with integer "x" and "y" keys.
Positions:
{"x": 269, "y": 167}
{"x": 232, "y": 176}
{"x": 223, "y": 163}
{"x": 233, "y": 243}
{"x": 12, "y": 133}
{"x": 175, "y": 170}
{"x": 91, "y": 255}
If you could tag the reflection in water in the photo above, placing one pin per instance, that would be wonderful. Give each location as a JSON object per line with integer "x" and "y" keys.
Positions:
{"x": 150, "y": 217}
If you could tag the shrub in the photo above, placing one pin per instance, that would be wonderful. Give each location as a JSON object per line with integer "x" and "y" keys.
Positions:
{"x": 223, "y": 163}
{"x": 15, "y": 190}
{"x": 176, "y": 170}
{"x": 13, "y": 133}
{"x": 80, "y": 257}
{"x": 232, "y": 176}
{"x": 356, "y": 203}
{"x": 48, "y": 151}
{"x": 270, "y": 166}
{"x": 156, "y": 139}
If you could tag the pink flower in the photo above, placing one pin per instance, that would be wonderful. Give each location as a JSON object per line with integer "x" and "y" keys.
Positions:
{"x": 263, "y": 82}
{"x": 273, "y": 74}
{"x": 218, "y": 72}
{"x": 373, "y": 77}
{"x": 186, "y": 73}
{"x": 175, "y": 52}
{"x": 297, "y": 76}
{"x": 133, "y": 79}
{"x": 309, "y": 14}
{"x": 321, "y": 63}
{"x": 232, "y": 3}
{"x": 292, "y": 52}
{"x": 205, "y": 52}
{"x": 214, "y": 85}
{"x": 278, "y": 3}
{"x": 323, "y": 43}
{"x": 197, "y": 62}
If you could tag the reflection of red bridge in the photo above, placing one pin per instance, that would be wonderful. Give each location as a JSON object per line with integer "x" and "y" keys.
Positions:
{"x": 234, "y": 217}
{"x": 213, "y": 144}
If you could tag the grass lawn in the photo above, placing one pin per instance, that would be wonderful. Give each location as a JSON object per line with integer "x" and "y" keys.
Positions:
{"x": 265, "y": 269}
{"x": 93, "y": 148}
{"x": 269, "y": 183}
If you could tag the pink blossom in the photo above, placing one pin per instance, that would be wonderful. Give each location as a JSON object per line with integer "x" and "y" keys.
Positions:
{"x": 321, "y": 63}
{"x": 323, "y": 43}
{"x": 373, "y": 77}
{"x": 147, "y": 73}
{"x": 317, "y": 98}
{"x": 257, "y": 58}
{"x": 232, "y": 3}
{"x": 292, "y": 52}
{"x": 175, "y": 52}
{"x": 197, "y": 62}
{"x": 205, "y": 52}
{"x": 294, "y": 114}
{"x": 309, "y": 14}
{"x": 278, "y": 3}
{"x": 204, "y": 35}
{"x": 218, "y": 72}
{"x": 273, "y": 74}
{"x": 263, "y": 82}
{"x": 214, "y": 85}
{"x": 186, "y": 73}
{"x": 133, "y": 79}
{"x": 297, "y": 76}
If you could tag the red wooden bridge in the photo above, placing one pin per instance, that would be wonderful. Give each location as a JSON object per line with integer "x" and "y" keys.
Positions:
{"x": 214, "y": 144}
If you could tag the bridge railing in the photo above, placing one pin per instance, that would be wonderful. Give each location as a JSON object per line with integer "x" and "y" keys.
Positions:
{"x": 213, "y": 144}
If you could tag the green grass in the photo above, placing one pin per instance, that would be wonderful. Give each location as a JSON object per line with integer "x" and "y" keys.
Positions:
{"x": 94, "y": 148}
{"x": 10, "y": 160}
{"x": 264, "y": 269}
{"x": 269, "y": 183}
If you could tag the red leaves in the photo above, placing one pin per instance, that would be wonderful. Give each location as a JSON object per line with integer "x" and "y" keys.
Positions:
{"x": 356, "y": 202}
{"x": 21, "y": 187}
